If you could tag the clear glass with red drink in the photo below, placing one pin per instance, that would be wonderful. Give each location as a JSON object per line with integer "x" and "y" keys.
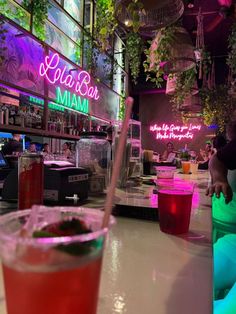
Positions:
{"x": 53, "y": 266}
{"x": 174, "y": 208}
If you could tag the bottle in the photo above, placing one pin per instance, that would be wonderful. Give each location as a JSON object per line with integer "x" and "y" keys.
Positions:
{"x": 38, "y": 117}
{"x": 17, "y": 118}
{"x": 12, "y": 115}
{"x": 6, "y": 120}
{"x": 1, "y": 116}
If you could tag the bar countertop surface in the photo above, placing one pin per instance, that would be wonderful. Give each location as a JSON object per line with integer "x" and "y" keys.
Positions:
{"x": 147, "y": 271}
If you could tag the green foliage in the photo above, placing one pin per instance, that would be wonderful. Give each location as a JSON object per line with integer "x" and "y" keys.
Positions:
{"x": 231, "y": 60}
{"x": 122, "y": 108}
{"x": 3, "y": 46}
{"x": 106, "y": 23}
{"x": 133, "y": 51}
{"x": 218, "y": 106}
{"x": 134, "y": 9}
{"x": 158, "y": 53}
{"x": 39, "y": 9}
{"x": 184, "y": 85}
{"x": 15, "y": 13}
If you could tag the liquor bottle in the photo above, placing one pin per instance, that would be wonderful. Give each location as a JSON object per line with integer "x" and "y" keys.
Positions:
{"x": 12, "y": 113}
{"x": 17, "y": 118}
{"x": 38, "y": 124}
{"x": 1, "y": 115}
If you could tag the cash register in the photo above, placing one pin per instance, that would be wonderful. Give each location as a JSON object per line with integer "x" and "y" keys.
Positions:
{"x": 61, "y": 180}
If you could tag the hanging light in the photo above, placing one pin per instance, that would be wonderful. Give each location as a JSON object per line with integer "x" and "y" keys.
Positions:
{"x": 150, "y": 14}
{"x": 190, "y": 4}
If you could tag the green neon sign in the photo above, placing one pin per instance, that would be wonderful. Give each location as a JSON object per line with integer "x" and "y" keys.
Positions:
{"x": 51, "y": 105}
{"x": 65, "y": 100}
{"x": 72, "y": 101}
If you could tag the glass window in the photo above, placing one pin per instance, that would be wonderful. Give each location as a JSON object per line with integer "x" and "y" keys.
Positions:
{"x": 75, "y": 9}
{"x": 103, "y": 67}
{"x": 60, "y": 42}
{"x": 88, "y": 15}
{"x": 119, "y": 80}
{"x": 15, "y": 12}
{"x": 119, "y": 54}
{"x": 57, "y": 17}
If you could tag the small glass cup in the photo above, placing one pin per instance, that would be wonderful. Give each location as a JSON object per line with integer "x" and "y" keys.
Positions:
{"x": 193, "y": 167}
{"x": 185, "y": 167}
{"x": 51, "y": 274}
{"x": 174, "y": 208}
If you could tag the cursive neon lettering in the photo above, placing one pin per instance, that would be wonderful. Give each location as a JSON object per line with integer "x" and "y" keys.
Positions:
{"x": 175, "y": 132}
{"x": 53, "y": 73}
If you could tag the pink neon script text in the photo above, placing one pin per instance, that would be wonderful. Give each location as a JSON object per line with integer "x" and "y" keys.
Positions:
{"x": 81, "y": 86}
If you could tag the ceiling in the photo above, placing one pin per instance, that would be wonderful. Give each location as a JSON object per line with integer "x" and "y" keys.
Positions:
{"x": 217, "y": 25}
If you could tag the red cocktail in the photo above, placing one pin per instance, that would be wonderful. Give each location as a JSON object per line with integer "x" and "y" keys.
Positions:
{"x": 48, "y": 275}
{"x": 174, "y": 206}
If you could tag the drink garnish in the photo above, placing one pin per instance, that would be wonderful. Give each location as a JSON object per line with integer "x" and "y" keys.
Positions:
{"x": 65, "y": 228}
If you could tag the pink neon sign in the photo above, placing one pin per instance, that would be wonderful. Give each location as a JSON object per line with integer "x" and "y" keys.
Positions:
{"x": 54, "y": 74}
{"x": 174, "y": 132}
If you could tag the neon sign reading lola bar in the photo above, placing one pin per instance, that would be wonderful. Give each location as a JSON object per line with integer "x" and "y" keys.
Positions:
{"x": 54, "y": 74}
{"x": 174, "y": 132}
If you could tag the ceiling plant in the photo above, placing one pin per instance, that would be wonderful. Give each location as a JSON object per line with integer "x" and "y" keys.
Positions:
{"x": 106, "y": 23}
{"x": 231, "y": 59}
{"x": 158, "y": 53}
{"x": 39, "y": 10}
{"x": 3, "y": 46}
{"x": 218, "y": 106}
{"x": 184, "y": 86}
{"x": 134, "y": 42}
{"x": 134, "y": 47}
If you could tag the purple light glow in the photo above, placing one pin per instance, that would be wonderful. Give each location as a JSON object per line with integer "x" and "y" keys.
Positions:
{"x": 82, "y": 86}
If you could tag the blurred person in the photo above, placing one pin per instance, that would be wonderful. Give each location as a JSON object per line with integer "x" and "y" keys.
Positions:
{"x": 46, "y": 152}
{"x": 225, "y": 247}
{"x": 13, "y": 146}
{"x": 46, "y": 148}
{"x": 66, "y": 150}
{"x": 218, "y": 142}
{"x": 206, "y": 155}
{"x": 32, "y": 148}
{"x": 169, "y": 154}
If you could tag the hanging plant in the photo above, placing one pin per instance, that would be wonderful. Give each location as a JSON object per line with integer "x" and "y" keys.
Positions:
{"x": 3, "y": 46}
{"x": 133, "y": 51}
{"x": 106, "y": 23}
{"x": 122, "y": 108}
{"x": 39, "y": 9}
{"x": 158, "y": 54}
{"x": 231, "y": 59}
{"x": 218, "y": 106}
{"x": 184, "y": 86}
{"x": 134, "y": 9}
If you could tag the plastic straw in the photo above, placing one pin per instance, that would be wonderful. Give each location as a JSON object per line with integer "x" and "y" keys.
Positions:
{"x": 117, "y": 164}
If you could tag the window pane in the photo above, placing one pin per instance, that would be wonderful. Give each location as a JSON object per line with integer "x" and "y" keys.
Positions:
{"x": 75, "y": 9}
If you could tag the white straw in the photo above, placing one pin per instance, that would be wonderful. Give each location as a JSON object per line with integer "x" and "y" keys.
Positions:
{"x": 117, "y": 164}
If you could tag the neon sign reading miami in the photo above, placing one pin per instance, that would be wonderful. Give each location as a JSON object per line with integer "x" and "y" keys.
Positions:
{"x": 175, "y": 132}
{"x": 54, "y": 74}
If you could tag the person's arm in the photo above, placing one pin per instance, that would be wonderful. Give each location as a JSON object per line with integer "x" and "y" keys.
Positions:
{"x": 219, "y": 179}
{"x": 164, "y": 155}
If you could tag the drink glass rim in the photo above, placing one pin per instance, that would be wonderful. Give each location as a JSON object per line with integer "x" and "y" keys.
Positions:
{"x": 53, "y": 241}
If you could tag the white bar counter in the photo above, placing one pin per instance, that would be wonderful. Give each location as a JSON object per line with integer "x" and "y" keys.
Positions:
{"x": 146, "y": 271}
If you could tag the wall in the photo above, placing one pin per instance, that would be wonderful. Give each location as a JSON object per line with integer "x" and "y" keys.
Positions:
{"x": 156, "y": 108}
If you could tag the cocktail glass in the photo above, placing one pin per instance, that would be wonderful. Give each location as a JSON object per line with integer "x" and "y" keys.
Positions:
{"x": 174, "y": 208}
{"x": 50, "y": 275}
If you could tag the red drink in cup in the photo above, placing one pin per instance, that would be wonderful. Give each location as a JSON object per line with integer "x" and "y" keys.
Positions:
{"x": 47, "y": 274}
{"x": 174, "y": 206}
